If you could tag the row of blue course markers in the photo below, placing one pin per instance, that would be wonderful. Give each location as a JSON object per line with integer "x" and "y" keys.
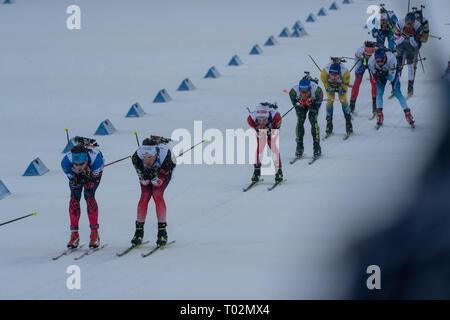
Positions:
{"x": 38, "y": 168}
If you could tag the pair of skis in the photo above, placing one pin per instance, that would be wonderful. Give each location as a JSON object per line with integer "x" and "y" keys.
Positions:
{"x": 347, "y": 135}
{"x": 90, "y": 251}
{"x": 69, "y": 251}
{"x": 152, "y": 251}
{"x": 255, "y": 183}
{"x": 299, "y": 158}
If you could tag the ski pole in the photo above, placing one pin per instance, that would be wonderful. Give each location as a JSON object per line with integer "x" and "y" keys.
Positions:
{"x": 431, "y": 36}
{"x": 314, "y": 62}
{"x": 67, "y": 135}
{"x": 248, "y": 110}
{"x": 137, "y": 140}
{"x": 354, "y": 65}
{"x": 420, "y": 59}
{"x": 28, "y": 215}
{"x": 116, "y": 161}
{"x": 205, "y": 140}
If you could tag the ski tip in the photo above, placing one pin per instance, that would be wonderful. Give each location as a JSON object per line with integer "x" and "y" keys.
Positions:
{"x": 34, "y": 213}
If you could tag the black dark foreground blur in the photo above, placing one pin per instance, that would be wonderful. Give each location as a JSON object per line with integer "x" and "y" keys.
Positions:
{"x": 414, "y": 253}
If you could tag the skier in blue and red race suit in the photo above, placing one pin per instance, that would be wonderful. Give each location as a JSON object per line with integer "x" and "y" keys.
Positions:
{"x": 387, "y": 28}
{"x": 383, "y": 66}
{"x": 83, "y": 165}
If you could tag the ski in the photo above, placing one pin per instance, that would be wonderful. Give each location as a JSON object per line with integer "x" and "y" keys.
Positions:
{"x": 251, "y": 185}
{"x": 374, "y": 114}
{"x": 157, "y": 248}
{"x": 132, "y": 248}
{"x": 295, "y": 159}
{"x": 408, "y": 96}
{"x": 276, "y": 184}
{"x": 328, "y": 135}
{"x": 67, "y": 252}
{"x": 347, "y": 135}
{"x": 90, "y": 251}
{"x": 391, "y": 96}
{"x": 378, "y": 125}
{"x": 313, "y": 159}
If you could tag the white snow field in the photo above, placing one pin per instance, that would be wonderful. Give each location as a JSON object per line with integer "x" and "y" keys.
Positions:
{"x": 283, "y": 244}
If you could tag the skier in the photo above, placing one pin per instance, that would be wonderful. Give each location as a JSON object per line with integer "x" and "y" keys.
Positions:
{"x": 266, "y": 121}
{"x": 307, "y": 97}
{"x": 383, "y": 66}
{"x": 154, "y": 164}
{"x": 386, "y": 31}
{"x": 336, "y": 78}
{"x": 83, "y": 165}
{"x": 362, "y": 57}
{"x": 408, "y": 33}
{"x": 425, "y": 31}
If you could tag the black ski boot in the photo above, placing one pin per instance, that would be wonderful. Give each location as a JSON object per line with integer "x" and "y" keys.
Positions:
{"x": 317, "y": 150}
{"x": 162, "y": 234}
{"x": 329, "y": 128}
{"x": 299, "y": 150}
{"x": 348, "y": 124}
{"x": 256, "y": 173}
{"x": 138, "y": 235}
{"x": 352, "y": 106}
{"x": 410, "y": 87}
{"x": 279, "y": 176}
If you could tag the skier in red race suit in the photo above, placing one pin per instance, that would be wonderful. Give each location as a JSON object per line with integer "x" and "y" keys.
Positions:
{"x": 266, "y": 121}
{"x": 154, "y": 164}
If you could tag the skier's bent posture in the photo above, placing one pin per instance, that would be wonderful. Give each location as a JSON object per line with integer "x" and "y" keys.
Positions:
{"x": 266, "y": 121}
{"x": 83, "y": 165}
{"x": 154, "y": 165}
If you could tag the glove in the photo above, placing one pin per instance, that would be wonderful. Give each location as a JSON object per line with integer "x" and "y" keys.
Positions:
{"x": 413, "y": 42}
{"x": 400, "y": 41}
{"x": 74, "y": 183}
{"x": 330, "y": 89}
{"x": 144, "y": 182}
{"x": 81, "y": 179}
{"x": 148, "y": 174}
{"x": 157, "y": 182}
{"x": 89, "y": 185}
{"x": 305, "y": 102}
{"x": 342, "y": 91}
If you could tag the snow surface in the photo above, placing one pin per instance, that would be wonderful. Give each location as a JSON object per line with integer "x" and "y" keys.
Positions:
{"x": 286, "y": 244}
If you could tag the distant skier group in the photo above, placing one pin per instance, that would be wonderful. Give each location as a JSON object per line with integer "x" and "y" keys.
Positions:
{"x": 154, "y": 161}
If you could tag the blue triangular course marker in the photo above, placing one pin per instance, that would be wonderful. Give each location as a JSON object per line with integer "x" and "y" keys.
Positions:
{"x": 186, "y": 85}
{"x": 271, "y": 41}
{"x": 346, "y": 1}
{"x": 333, "y": 6}
{"x": 105, "y": 128}
{"x": 297, "y": 33}
{"x": 285, "y": 33}
{"x": 36, "y": 168}
{"x": 212, "y": 73}
{"x": 235, "y": 61}
{"x": 311, "y": 18}
{"x": 72, "y": 143}
{"x": 3, "y": 190}
{"x": 298, "y": 25}
{"x": 322, "y": 12}
{"x": 256, "y": 49}
{"x": 162, "y": 96}
{"x": 135, "y": 111}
